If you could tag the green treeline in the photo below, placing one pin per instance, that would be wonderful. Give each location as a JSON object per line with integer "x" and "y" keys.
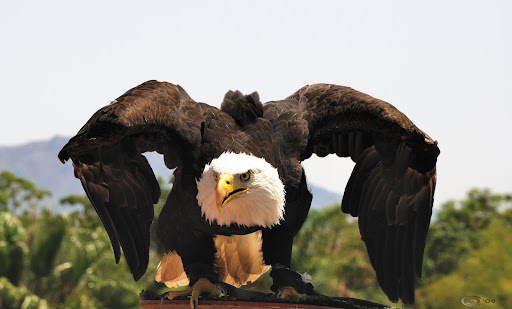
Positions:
{"x": 66, "y": 261}
{"x": 468, "y": 253}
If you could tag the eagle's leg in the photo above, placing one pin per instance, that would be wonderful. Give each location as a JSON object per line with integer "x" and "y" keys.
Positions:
{"x": 278, "y": 241}
{"x": 289, "y": 292}
{"x": 287, "y": 283}
{"x": 202, "y": 286}
{"x": 197, "y": 251}
{"x": 290, "y": 284}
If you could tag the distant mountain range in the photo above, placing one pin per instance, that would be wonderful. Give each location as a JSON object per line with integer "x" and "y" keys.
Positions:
{"x": 38, "y": 162}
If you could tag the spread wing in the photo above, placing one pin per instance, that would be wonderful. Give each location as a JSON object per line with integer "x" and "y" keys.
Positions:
{"x": 391, "y": 188}
{"x": 107, "y": 158}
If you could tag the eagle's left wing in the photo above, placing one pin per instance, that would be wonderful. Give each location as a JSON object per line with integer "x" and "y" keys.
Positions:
{"x": 391, "y": 188}
{"x": 107, "y": 155}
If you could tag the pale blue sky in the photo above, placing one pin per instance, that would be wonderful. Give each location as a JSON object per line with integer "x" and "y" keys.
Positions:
{"x": 446, "y": 64}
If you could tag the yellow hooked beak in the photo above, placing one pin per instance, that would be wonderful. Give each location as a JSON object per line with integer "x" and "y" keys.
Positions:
{"x": 227, "y": 190}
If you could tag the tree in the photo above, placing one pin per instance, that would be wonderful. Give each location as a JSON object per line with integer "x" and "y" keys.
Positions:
{"x": 459, "y": 226}
{"x": 80, "y": 200}
{"x": 59, "y": 261}
{"x": 16, "y": 191}
{"x": 329, "y": 248}
{"x": 12, "y": 247}
{"x": 469, "y": 253}
{"x": 13, "y": 297}
{"x": 66, "y": 261}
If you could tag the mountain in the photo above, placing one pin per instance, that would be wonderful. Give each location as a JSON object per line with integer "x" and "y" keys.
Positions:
{"x": 38, "y": 162}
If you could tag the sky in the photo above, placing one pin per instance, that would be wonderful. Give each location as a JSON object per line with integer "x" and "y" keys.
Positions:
{"x": 445, "y": 64}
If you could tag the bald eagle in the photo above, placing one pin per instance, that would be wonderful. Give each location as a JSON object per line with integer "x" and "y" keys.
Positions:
{"x": 239, "y": 192}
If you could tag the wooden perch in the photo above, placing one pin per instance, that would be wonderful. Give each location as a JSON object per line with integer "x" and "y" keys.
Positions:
{"x": 150, "y": 300}
{"x": 185, "y": 304}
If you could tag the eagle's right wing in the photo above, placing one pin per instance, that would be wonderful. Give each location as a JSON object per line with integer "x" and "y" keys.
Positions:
{"x": 391, "y": 188}
{"x": 107, "y": 158}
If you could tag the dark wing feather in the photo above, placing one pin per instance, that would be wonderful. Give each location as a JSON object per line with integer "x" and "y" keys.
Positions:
{"x": 107, "y": 158}
{"x": 391, "y": 188}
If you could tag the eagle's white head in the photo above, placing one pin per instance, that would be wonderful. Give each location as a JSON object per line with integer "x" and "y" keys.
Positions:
{"x": 241, "y": 189}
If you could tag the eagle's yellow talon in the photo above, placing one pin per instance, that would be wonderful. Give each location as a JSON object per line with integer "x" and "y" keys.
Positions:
{"x": 289, "y": 292}
{"x": 202, "y": 286}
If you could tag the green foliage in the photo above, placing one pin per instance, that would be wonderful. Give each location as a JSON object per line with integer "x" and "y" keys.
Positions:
{"x": 66, "y": 261}
{"x": 46, "y": 240}
{"x": 74, "y": 199}
{"x": 16, "y": 191}
{"x": 12, "y": 246}
{"x": 484, "y": 272}
{"x": 459, "y": 228}
{"x": 13, "y": 297}
{"x": 469, "y": 252}
{"x": 330, "y": 249}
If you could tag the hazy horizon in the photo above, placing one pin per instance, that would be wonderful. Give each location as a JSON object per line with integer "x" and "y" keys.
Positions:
{"x": 446, "y": 65}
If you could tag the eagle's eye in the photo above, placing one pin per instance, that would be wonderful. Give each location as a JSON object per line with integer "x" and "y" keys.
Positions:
{"x": 216, "y": 176}
{"x": 245, "y": 176}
